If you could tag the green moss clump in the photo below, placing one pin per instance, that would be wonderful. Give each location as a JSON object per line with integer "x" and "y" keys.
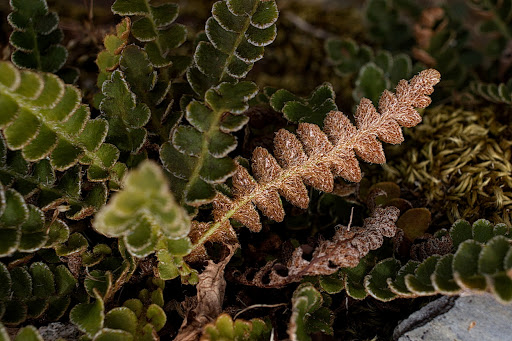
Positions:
{"x": 461, "y": 163}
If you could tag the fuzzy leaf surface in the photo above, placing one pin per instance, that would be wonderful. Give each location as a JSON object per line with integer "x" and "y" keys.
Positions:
{"x": 145, "y": 214}
{"x": 36, "y": 37}
{"x": 47, "y": 110}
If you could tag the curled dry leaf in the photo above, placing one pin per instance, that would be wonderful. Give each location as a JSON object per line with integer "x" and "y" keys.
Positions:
{"x": 208, "y": 303}
{"x": 346, "y": 249}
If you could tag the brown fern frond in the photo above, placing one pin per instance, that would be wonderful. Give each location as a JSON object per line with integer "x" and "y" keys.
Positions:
{"x": 346, "y": 249}
{"x": 314, "y": 157}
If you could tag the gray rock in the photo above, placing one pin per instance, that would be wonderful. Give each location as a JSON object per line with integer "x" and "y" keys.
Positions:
{"x": 466, "y": 318}
{"x": 55, "y": 330}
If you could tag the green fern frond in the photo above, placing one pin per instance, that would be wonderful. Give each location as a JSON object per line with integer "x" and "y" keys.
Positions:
{"x": 481, "y": 262}
{"x": 34, "y": 291}
{"x": 126, "y": 116}
{"x": 149, "y": 87}
{"x": 155, "y": 27}
{"x": 313, "y": 109}
{"x": 496, "y": 93}
{"x": 146, "y": 217}
{"x": 376, "y": 71}
{"x": 151, "y": 70}
{"x": 23, "y": 227}
{"x": 309, "y": 314}
{"x": 39, "y": 182}
{"x": 43, "y": 117}
{"x": 197, "y": 154}
{"x": 36, "y": 37}
{"x": 136, "y": 319}
{"x": 108, "y": 59}
{"x": 237, "y": 33}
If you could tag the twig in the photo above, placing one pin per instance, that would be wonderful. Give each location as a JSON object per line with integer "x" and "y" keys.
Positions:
{"x": 259, "y": 306}
{"x": 351, "y": 216}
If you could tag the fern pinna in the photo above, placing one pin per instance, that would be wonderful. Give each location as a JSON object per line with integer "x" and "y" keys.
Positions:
{"x": 314, "y": 159}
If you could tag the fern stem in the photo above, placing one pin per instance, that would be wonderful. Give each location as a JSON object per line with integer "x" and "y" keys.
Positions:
{"x": 214, "y": 127}
{"x": 150, "y": 18}
{"x": 36, "y": 48}
{"x": 155, "y": 121}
